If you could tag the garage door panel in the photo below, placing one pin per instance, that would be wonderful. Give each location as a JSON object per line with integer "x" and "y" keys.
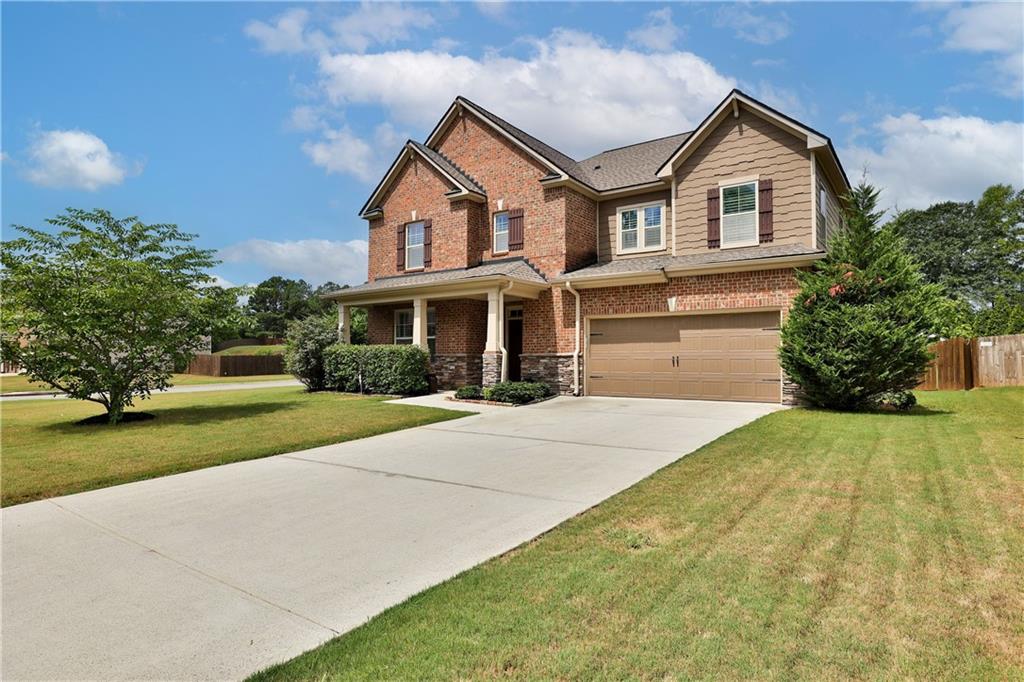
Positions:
{"x": 730, "y": 356}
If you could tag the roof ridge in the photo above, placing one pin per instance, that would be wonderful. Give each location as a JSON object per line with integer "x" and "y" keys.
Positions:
{"x": 636, "y": 144}
{"x": 513, "y": 126}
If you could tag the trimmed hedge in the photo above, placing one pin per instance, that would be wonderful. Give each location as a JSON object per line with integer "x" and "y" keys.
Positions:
{"x": 470, "y": 393}
{"x": 517, "y": 392}
{"x": 391, "y": 369}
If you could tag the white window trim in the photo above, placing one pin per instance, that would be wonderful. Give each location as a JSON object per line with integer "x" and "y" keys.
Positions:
{"x": 422, "y": 246}
{"x": 494, "y": 231}
{"x": 641, "y": 241}
{"x": 412, "y": 313}
{"x": 722, "y": 186}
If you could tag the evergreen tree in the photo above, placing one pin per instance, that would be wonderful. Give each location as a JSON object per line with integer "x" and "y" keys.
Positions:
{"x": 860, "y": 326}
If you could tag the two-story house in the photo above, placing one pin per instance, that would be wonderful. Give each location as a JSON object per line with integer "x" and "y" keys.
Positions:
{"x": 660, "y": 269}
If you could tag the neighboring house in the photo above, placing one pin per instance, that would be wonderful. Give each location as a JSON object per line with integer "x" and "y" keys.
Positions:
{"x": 660, "y": 269}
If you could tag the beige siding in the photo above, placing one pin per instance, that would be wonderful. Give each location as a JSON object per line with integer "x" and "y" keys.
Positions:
{"x": 608, "y": 218}
{"x": 741, "y": 147}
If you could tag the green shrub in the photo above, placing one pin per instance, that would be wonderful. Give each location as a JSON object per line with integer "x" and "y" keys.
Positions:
{"x": 391, "y": 370}
{"x": 899, "y": 400}
{"x": 469, "y": 393}
{"x": 517, "y": 392}
{"x": 304, "y": 349}
{"x": 861, "y": 324}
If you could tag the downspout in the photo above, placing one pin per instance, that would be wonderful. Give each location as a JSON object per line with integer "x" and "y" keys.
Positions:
{"x": 501, "y": 330}
{"x": 576, "y": 350}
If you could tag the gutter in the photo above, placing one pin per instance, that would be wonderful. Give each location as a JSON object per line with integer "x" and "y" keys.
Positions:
{"x": 576, "y": 350}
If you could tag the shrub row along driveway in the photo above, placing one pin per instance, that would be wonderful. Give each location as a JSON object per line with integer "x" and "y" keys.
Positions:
{"x": 219, "y": 572}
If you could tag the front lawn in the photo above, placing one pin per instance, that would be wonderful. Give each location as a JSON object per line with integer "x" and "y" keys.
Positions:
{"x": 252, "y": 350}
{"x": 46, "y": 454}
{"x": 20, "y": 383}
{"x": 809, "y": 544}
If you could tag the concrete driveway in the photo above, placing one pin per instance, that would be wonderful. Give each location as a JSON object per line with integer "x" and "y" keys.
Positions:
{"x": 217, "y": 573}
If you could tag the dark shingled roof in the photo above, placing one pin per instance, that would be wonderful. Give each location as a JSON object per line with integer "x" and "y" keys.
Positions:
{"x": 464, "y": 179}
{"x": 626, "y": 266}
{"x": 514, "y": 268}
{"x": 635, "y": 164}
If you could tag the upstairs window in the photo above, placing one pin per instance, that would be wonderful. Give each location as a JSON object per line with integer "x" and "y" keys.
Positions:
{"x": 739, "y": 215}
{"x": 501, "y": 232}
{"x": 823, "y": 202}
{"x": 642, "y": 228}
{"x": 414, "y": 246}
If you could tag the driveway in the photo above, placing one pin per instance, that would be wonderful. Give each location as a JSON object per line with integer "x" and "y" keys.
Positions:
{"x": 217, "y": 573}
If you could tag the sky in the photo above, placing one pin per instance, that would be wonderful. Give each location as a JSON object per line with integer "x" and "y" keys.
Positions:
{"x": 263, "y": 127}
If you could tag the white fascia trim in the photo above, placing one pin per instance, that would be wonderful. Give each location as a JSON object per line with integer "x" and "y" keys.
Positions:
{"x": 770, "y": 263}
{"x": 813, "y": 141}
{"x": 443, "y": 125}
{"x": 458, "y": 193}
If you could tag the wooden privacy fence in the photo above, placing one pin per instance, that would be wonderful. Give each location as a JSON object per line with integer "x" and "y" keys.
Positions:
{"x": 236, "y": 365}
{"x": 962, "y": 364}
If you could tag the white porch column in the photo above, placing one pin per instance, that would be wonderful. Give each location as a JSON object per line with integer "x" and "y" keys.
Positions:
{"x": 419, "y": 323}
{"x": 344, "y": 323}
{"x": 493, "y": 344}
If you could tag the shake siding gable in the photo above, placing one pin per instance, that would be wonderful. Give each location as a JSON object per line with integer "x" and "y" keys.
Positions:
{"x": 740, "y": 148}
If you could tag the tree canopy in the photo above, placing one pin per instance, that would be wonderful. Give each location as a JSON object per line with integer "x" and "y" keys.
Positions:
{"x": 103, "y": 308}
{"x": 860, "y": 326}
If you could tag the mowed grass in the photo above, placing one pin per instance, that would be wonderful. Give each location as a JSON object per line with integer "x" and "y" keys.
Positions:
{"x": 46, "y": 454}
{"x": 21, "y": 384}
{"x": 807, "y": 545}
{"x": 252, "y": 350}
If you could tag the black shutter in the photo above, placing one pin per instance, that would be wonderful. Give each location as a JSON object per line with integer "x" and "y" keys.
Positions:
{"x": 714, "y": 219}
{"x": 400, "y": 260}
{"x": 765, "y": 232}
{"x": 427, "y": 230}
{"x": 515, "y": 229}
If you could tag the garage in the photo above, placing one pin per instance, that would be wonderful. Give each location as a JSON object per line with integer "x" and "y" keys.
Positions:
{"x": 723, "y": 356}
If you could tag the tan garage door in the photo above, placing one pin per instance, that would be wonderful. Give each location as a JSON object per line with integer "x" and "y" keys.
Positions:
{"x": 728, "y": 356}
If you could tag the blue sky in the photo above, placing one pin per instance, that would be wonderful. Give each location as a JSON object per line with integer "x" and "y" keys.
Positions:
{"x": 263, "y": 127}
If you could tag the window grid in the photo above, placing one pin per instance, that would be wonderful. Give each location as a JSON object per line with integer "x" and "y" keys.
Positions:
{"x": 739, "y": 214}
{"x": 414, "y": 238}
{"x": 501, "y": 232}
{"x": 646, "y": 237}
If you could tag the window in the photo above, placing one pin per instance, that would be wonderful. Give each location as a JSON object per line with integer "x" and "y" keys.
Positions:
{"x": 404, "y": 323}
{"x": 739, "y": 215}
{"x": 501, "y": 232}
{"x": 641, "y": 228}
{"x": 822, "y": 202}
{"x": 414, "y": 246}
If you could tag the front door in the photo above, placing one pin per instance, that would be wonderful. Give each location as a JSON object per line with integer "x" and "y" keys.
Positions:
{"x": 514, "y": 342}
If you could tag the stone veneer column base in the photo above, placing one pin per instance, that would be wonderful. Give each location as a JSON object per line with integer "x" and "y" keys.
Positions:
{"x": 791, "y": 393}
{"x": 454, "y": 370}
{"x": 553, "y": 369}
{"x": 491, "y": 369}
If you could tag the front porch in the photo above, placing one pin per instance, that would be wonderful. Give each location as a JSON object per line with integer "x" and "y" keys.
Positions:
{"x": 472, "y": 327}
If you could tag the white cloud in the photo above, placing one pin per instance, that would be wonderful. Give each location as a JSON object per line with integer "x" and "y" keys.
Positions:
{"x": 567, "y": 91}
{"x": 995, "y": 28}
{"x": 493, "y": 9}
{"x": 381, "y": 23}
{"x": 369, "y": 24}
{"x": 315, "y": 260}
{"x": 951, "y": 158}
{"x": 341, "y": 151}
{"x": 305, "y": 119}
{"x": 768, "y": 63}
{"x": 73, "y": 158}
{"x": 287, "y": 34}
{"x": 658, "y": 33}
{"x": 761, "y": 29}
{"x": 986, "y": 27}
{"x": 783, "y": 99}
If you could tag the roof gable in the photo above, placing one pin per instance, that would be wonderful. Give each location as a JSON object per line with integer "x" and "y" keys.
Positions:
{"x": 463, "y": 185}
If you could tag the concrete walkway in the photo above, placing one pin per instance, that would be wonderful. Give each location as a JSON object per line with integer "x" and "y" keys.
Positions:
{"x": 196, "y": 388}
{"x": 217, "y": 573}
